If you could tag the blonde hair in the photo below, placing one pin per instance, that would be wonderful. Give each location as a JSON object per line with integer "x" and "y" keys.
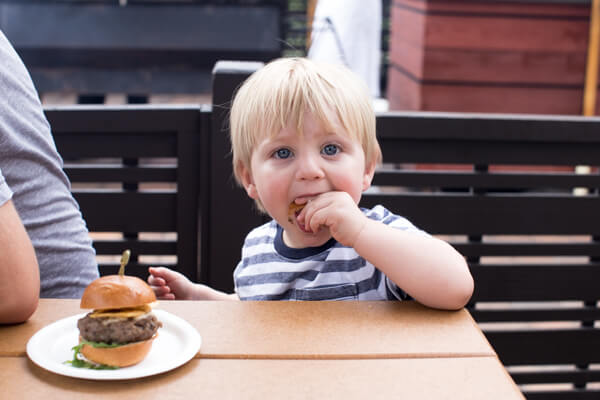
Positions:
{"x": 282, "y": 91}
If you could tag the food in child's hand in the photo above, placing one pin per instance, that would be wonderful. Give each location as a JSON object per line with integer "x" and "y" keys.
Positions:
{"x": 294, "y": 210}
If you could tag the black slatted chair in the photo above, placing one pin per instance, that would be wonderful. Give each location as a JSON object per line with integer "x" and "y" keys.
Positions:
{"x": 136, "y": 173}
{"x": 504, "y": 191}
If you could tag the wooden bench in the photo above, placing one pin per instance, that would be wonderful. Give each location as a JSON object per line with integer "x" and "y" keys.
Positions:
{"x": 482, "y": 182}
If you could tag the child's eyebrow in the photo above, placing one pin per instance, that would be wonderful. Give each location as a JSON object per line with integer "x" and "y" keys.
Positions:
{"x": 342, "y": 135}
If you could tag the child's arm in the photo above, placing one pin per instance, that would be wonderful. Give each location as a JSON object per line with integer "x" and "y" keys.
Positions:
{"x": 428, "y": 269}
{"x": 171, "y": 285}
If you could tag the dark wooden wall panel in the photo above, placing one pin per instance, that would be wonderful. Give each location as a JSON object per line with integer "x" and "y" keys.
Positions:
{"x": 484, "y": 56}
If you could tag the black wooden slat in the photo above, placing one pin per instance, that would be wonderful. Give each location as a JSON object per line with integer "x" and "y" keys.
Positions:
{"x": 482, "y": 151}
{"x": 522, "y": 180}
{"x": 187, "y": 207}
{"x": 536, "y": 347}
{"x": 516, "y": 282}
{"x": 515, "y": 248}
{"x": 110, "y": 173}
{"x": 577, "y": 376}
{"x": 123, "y": 144}
{"x": 494, "y": 213}
{"x": 536, "y": 315}
{"x": 101, "y": 119}
{"x": 489, "y": 128}
{"x": 145, "y": 79}
{"x": 487, "y": 138}
{"x": 574, "y": 394}
{"x": 139, "y": 247}
{"x": 120, "y": 211}
{"x": 203, "y": 250}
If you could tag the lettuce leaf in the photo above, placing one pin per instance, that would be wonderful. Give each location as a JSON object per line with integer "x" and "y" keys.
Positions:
{"x": 79, "y": 361}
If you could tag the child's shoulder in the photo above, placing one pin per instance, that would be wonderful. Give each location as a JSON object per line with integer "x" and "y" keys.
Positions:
{"x": 377, "y": 212}
{"x": 268, "y": 229}
{"x": 382, "y": 214}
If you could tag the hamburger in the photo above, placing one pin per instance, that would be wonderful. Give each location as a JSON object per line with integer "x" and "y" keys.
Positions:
{"x": 119, "y": 330}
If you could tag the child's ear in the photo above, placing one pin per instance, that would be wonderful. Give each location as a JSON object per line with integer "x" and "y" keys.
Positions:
{"x": 368, "y": 175}
{"x": 246, "y": 176}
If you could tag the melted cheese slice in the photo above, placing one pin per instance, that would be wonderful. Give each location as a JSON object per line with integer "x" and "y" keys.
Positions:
{"x": 133, "y": 312}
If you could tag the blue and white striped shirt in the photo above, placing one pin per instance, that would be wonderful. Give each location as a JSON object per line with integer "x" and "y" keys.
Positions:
{"x": 270, "y": 270}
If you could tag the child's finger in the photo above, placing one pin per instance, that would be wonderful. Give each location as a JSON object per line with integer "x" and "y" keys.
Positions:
{"x": 161, "y": 272}
{"x": 316, "y": 220}
{"x": 154, "y": 278}
{"x": 154, "y": 281}
{"x": 161, "y": 290}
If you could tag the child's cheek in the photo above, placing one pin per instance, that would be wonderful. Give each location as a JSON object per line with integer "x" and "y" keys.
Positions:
{"x": 350, "y": 185}
{"x": 275, "y": 196}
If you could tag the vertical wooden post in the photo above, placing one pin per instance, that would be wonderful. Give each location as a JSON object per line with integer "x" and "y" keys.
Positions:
{"x": 192, "y": 152}
{"x": 589, "y": 109}
{"x": 591, "y": 72}
{"x": 310, "y": 15}
{"x": 231, "y": 212}
{"x": 591, "y": 79}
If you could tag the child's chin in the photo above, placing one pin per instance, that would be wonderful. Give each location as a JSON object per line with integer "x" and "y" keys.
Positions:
{"x": 309, "y": 239}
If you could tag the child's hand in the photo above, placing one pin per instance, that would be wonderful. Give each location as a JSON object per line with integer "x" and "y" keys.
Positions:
{"x": 169, "y": 285}
{"x": 336, "y": 211}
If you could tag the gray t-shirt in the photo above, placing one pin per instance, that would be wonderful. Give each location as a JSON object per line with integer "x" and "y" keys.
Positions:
{"x": 31, "y": 174}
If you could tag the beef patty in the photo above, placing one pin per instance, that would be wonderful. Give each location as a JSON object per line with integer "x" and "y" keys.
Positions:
{"x": 118, "y": 330}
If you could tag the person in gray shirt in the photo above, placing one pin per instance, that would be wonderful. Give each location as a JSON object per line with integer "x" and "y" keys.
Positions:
{"x": 32, "y": 178}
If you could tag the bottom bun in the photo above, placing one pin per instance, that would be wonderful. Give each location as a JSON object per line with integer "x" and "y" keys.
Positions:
{"x": 122, "y": 356}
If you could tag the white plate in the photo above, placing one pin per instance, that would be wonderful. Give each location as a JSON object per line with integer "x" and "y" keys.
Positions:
{"x": 176, "y": 344}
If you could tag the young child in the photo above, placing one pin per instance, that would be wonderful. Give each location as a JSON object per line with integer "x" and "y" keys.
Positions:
{"x": 304, "y": 148}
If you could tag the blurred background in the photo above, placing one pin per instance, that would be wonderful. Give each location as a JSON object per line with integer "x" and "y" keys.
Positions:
{"x": 513, "y": 56}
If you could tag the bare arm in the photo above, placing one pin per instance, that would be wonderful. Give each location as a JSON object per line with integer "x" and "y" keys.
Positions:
{"x": 428, "y": 269}
{"x": 19, "y": 272}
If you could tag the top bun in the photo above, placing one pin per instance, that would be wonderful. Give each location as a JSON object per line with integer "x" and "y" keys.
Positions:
{"x": 117, "y": 291}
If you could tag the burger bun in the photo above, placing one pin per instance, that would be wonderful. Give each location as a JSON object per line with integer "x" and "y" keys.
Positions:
{"x": 117, "y": 291}
{"x": 121, "y": 356}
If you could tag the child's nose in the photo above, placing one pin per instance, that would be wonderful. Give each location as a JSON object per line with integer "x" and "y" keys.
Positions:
{"x": 309, "y": 167}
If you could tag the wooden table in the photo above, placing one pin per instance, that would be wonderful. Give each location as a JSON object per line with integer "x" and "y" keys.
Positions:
{"x": 291, "y": 350}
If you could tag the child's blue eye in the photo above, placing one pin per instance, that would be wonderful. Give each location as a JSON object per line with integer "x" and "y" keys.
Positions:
{"x": 282, "y": 153}
{"x": 330, "y": 150}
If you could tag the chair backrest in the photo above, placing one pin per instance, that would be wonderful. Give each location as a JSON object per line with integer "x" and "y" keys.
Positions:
{"x": 227, "y": 204}
{"x": 503, "y": 189}
{"x": 136, "y": 174}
